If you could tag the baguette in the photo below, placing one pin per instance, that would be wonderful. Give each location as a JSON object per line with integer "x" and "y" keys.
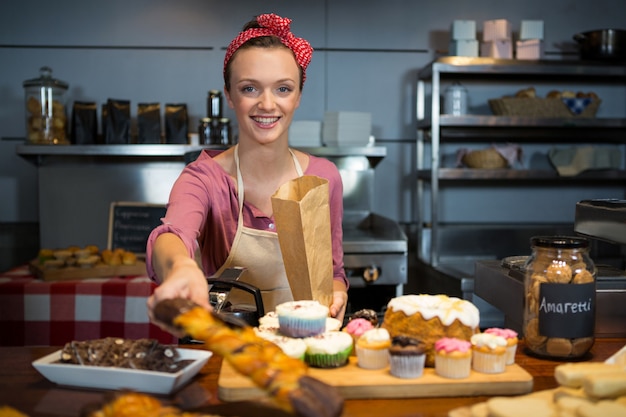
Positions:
{"x": 572, "y": 374}
{"x": 605, "y": 385}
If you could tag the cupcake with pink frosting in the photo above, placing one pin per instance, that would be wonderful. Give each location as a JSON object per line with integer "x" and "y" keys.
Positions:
{"x": 356, "y": 328}
{"x": 453, "y": 358}
{"x": 511, "y": 342}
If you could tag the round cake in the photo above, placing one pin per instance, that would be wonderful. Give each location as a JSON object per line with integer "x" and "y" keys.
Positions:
{"x": 429, "y": 318}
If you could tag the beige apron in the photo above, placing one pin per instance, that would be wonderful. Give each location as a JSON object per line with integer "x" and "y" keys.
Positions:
{"x": 259, "y": 252}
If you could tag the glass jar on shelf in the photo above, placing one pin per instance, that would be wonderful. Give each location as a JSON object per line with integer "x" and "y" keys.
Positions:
{"x": 559, "y": 297}
{"x": 46, "y": 115}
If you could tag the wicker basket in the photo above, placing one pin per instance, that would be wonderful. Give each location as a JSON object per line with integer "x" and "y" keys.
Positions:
{"x": 484, "y": 159}
{"x": 538, "y": 107}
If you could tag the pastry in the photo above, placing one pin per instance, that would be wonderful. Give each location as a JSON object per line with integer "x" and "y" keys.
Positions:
{"x": 511, "y": 342}
{"x": 571, "y": 374}
{"x": 372, "y": 349}
{"x": 429, "y": 318}
{"x": 526, "y": 93}
{"x": 367, "y": 314}
{"x": 302, "y": 318}
{"x": 453, "y": 358}
{"x": 356, "y": 327}
{"x": 145, "y": 354}
{"x": 488, "y": 353}
{"x": 328, "y": 349}
{"x": 283, "y": 377}
{"x": 407, "y": 357}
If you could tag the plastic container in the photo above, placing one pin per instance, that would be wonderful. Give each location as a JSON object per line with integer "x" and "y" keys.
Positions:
{"x": 46, "y": 115}
{"x": 559, "y": 297}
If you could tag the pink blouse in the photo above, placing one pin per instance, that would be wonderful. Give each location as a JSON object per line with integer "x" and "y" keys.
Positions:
{"x": 203, "y": 209}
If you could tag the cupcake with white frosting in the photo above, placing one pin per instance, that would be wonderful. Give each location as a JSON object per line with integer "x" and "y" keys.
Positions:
{"x": 304, "y": 318}
{"x": 328, "y": 349}
{"x": 488, "y": 353}
{"x": 372, "y": 349}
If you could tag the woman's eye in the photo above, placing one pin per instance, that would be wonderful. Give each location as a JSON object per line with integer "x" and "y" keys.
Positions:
{"x": 248, "y": 89}
{"x": 284, "y": 89}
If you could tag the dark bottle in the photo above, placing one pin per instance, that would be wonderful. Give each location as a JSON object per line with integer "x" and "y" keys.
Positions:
{"x": 214, "y": 104}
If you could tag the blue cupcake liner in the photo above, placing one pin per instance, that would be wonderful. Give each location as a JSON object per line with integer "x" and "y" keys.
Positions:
{"x": 301, "y": 327}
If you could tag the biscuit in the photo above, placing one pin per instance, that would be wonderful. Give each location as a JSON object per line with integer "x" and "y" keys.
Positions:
{"x": 558, "y": 346}
{"x": 559, "y": 272}
{"x": 532, "y": 336}
{"x": 583, "y": 277}
{"x": 520, "y": 407}
{"x": 602, "y": 408}
{"x": 571, "y": 374}
{"x": 581, "y": 345}
{"x": 605, "y": 385}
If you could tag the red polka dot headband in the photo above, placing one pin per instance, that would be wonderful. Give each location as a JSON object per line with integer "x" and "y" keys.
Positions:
{"x": 274, "y": 25}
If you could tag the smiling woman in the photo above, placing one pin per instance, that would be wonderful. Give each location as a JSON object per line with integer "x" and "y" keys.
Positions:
{"x": 220, "y": 207}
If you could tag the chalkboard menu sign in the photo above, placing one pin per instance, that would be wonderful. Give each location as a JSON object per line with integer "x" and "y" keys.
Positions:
{"x": 130, "y": 223}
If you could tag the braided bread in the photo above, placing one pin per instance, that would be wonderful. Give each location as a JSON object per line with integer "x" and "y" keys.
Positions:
{"x": 283, "y": 377}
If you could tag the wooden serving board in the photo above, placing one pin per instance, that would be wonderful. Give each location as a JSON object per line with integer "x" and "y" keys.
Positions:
{"x": 75, "y": 272}
{"x": 354, "y": 382}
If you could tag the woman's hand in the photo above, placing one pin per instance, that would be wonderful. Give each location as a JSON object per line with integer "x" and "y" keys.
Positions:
{"x": 340, "y": 300}
{"x": 185, "y": 280}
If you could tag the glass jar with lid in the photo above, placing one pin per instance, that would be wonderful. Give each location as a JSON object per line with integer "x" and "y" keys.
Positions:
{"x": 46, "y": 115}
{"x": 559, "y": 297}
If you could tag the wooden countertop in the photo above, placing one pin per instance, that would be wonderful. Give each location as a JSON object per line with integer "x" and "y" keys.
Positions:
{"x": 23, "y": 388}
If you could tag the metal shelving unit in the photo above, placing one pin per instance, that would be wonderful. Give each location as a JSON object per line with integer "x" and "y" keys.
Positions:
{"x": 435, "y": 128}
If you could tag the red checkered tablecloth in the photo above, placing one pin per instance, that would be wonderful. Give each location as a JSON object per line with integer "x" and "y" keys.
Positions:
{"x": 35, "y": 312}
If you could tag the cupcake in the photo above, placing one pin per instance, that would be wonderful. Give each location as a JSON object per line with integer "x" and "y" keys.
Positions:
{"x": 302, "y": 318}
{"x": 356, "y": 327}
{"x": 372, "y": 349}
{"x": 511, "y": 342}
{"x": 292, "y": 347}
{"x": 407, "y": 357}
{"x": 367, "y": 314}
{"x": 453, "y": 358}
{"x": 328, "y": 349}
{"x": 488, "y": 353}
{"x": 269, "y": 323}
{"x": 332, "y": 324}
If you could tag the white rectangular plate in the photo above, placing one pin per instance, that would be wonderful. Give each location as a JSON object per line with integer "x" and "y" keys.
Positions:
{"x": 120, "y": 378}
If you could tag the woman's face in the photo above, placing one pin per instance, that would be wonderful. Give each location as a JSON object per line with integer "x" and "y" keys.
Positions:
{"x": 264, "y": 92}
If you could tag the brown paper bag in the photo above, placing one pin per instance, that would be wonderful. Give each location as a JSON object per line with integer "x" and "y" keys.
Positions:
{"x": 302, "y": 217}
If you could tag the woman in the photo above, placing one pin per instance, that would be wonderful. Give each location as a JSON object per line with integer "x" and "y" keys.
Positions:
{"x": 220, "y": 207}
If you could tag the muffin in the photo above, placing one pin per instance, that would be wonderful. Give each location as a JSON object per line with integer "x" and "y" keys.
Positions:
{"x": 292, "y": 347}
{"x": 372, "y": 349}
{"x": 488, "y": 353}
{"x": 453, "y": 358}
{"x": 304, "y": 318}
{"x": 269, "y": 322}
{"x": 367, "y": 314}
{"x": 407, "y": 357}
{"x": 511, "y": 342}
{"x": 328, "y": 349}
{"x": 356, "y": 327}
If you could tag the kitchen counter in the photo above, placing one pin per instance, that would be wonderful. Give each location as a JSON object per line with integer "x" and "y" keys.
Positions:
{"x": 22, "y": 387}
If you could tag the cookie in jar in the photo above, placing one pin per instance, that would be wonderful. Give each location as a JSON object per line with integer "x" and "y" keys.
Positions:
{"x": 559, "y": 297}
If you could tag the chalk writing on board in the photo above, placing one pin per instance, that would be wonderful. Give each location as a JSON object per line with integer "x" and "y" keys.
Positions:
{"x": 130, "y": 224}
